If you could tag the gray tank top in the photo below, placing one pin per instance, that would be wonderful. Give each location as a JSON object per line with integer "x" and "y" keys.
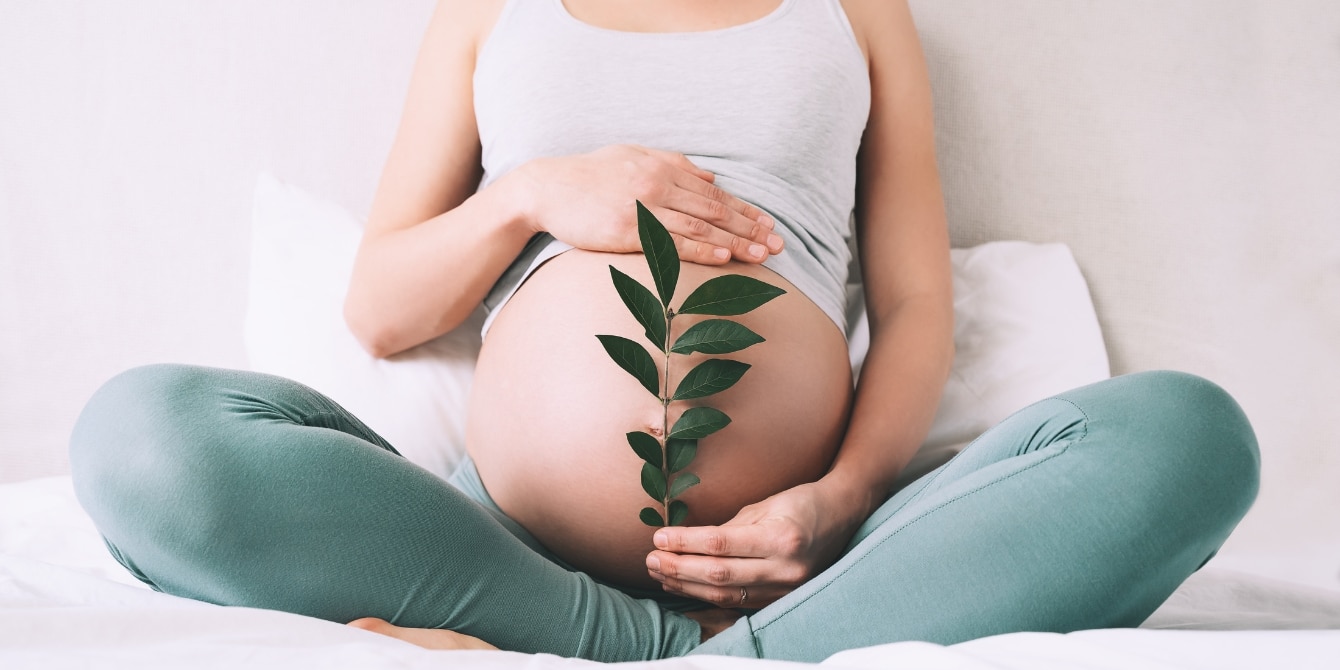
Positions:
{"x": 774, "y": 107}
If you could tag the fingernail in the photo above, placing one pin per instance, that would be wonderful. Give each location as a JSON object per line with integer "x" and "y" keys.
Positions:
{"x": 757, "y": 250}
{"x": 775, "y": 242}
{"x": 767, "y": 221}
{"x": 721, "y": 254}
{"x": 660, "y": 539}
{"x": 653, "y": 564}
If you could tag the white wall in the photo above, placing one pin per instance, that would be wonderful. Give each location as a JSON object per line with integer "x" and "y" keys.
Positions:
{"x": 131, "y": 134}
{"x": 1189, "y": 152}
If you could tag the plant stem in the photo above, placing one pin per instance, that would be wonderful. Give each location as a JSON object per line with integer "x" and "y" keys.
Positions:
{"x": 665, "y": 419}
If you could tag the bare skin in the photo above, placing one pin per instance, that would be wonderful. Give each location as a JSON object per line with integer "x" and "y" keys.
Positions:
{"x": 566, "y": 473}
{"x": 712, "y": 621}
{"x": 433, "y": 247}
{"x": 428, "y": 638}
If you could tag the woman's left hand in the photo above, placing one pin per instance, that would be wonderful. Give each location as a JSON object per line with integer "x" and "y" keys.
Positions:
{"x": 766, "y": 551}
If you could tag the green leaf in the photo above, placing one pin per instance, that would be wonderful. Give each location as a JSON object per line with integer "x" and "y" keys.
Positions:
{"x": 659, "y": 248}
{"x": 651, "y": 517}
{"x": 729, "y": 295}
{"x": 678, "y": 511}
{"x": 653, "y": 481}
{"x": 679, "y": 453}
{"x": 683, "y": 483}
{"x": 643, "y": 305}
{"x": 634, "y": 359}
{"x": 711, "y": 376}
{"x": 699, "y": 422}
{"x": 715, "y": 336}
{"x": 646, "y": 446}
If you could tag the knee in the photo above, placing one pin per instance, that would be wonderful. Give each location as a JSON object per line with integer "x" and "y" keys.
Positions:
{"x": 118, "y": 442}
{"x": 124, "y": 412}
{"x": 126, "y": 394}
{"x": 1207, "y": 431}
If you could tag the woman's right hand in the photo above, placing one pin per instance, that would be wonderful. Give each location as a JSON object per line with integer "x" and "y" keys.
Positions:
{"x": 587, "y": 200}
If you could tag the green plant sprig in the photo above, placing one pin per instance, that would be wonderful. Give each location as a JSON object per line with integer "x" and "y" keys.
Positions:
{"x": 664, "y": 477}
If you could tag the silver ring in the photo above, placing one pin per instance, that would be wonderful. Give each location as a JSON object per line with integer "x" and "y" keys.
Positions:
{"x": 744, "y": 595}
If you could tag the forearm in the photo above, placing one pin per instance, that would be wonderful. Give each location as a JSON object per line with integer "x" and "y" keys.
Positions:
{"x": 413, "y": 284}
{"x": 802, "y": 530}
{"x": 911, "y": 349}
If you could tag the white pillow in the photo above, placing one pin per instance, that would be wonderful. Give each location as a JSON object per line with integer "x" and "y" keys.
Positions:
{"x": 302, "y": 253}
{"x": 1024, "y": 329}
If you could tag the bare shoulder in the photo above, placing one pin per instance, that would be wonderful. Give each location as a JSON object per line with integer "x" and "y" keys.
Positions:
{"x": 468, "y": 21}
{"x": 433, "y": 165}
{"x": 879, "y": 25}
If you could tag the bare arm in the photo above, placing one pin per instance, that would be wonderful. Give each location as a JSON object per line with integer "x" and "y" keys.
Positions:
{"x": 905, "y": 258}
{"x": 433, "y": 246}
{"x": 904, "y": 245}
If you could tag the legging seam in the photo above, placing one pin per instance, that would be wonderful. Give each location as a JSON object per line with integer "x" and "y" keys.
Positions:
{"x": 359, "y": 430}
{"x": 307, "y": 420}
{"x": 753, "y": 637}
{"x": 1084, "y": 434}
{"x": 940, "y": 472}
{"x": 305, "y": 417}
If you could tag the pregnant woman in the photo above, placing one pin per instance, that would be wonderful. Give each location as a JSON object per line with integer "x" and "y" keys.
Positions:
{"x": 756, "y": 131}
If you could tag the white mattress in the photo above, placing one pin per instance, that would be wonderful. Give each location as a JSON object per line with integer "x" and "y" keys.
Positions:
{"x": 65, "y": 603}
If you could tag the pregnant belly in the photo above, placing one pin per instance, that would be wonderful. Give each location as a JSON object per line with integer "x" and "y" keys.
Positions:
{"x": 549, "y": 411}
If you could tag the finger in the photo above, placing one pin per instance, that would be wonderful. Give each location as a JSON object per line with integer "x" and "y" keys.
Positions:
{"x": 696, "y": 241}
{"x": 723, "y": 210}
{"x": 748, "y": 239}
{"x": 701, "y": 241}
{"x": 711, "y": 570}
{"x": 745, "y": 214}
{"x": 702, "y": 253}
{"x": 737, "y": 216}
{"x": 752, "y": 541}
{"x": 753, "y": 597}
{"x": 681, "y": 161}
{"x": 746, "y": 211}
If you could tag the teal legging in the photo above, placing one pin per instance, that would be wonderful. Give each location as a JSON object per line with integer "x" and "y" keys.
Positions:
{"x": 1085, "y": 510}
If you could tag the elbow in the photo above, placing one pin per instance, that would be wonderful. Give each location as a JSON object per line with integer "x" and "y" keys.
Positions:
{"x": 948, "y": 348}
{"x": 371, "y": 333}
{"x": 950, "y": 351}
{"x": 382, "y": 334}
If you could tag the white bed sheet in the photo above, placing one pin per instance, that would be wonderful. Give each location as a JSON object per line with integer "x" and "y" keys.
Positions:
{"x": 64, "y": 602}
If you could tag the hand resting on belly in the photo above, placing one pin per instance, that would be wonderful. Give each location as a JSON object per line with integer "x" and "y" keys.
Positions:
{"x": 549, "y": 411}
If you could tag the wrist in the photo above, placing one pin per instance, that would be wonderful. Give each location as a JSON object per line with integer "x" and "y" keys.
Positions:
{"x": 854, "y": 495}
{"x": 516, "y": 194}
{"x": 855, "y": 488}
